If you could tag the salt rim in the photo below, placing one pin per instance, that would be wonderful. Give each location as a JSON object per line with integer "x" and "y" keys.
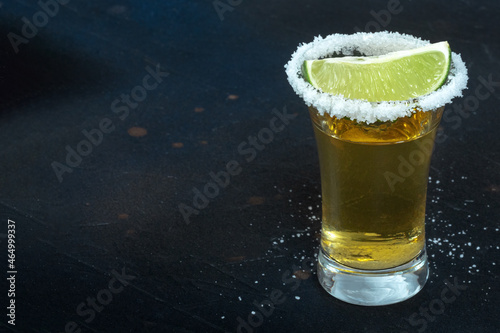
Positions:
{"x": 377, "y": 43}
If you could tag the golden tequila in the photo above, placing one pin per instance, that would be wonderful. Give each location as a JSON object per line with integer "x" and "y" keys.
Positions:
{"x": 374, "y": 183}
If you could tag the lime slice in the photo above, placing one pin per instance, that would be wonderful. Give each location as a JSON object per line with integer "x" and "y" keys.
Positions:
{"x": 396, "y": 76}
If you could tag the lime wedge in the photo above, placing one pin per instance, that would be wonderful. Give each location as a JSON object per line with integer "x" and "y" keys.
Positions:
{"x": 396, "y": 76}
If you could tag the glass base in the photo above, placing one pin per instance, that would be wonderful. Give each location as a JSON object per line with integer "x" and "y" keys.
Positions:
{"x": 373, "y": 287}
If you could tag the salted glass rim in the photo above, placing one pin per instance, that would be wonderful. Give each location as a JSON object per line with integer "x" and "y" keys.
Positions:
{"x": 377, "y": 43}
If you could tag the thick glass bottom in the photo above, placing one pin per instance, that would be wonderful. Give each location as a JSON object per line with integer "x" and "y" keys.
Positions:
{"x": 373, "y": 287}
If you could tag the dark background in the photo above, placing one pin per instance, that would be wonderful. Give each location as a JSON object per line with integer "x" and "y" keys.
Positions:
{"x": 118, "y": 210}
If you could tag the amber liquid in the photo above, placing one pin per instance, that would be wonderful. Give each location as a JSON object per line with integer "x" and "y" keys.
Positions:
{"x": 374, "y": 184}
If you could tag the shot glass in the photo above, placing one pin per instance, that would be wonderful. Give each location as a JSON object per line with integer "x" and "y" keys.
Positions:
{"x": 374, "y": 162}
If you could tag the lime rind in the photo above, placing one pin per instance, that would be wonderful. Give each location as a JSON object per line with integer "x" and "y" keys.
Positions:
{"x": 370, "y": 44}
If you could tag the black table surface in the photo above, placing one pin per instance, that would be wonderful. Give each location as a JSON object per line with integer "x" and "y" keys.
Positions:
{"x": 115, "y": 115}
